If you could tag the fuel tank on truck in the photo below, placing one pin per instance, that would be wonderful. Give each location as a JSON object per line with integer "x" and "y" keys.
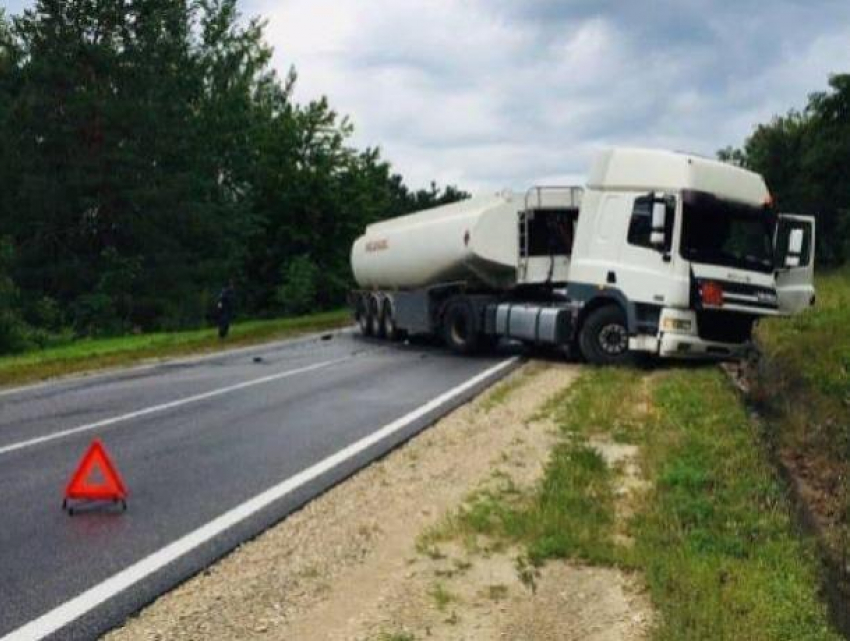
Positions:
{"x": 475, "y": 240}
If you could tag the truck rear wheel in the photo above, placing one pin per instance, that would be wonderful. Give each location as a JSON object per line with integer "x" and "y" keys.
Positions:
{"x": 460, "y": 331}
{"x": 388, "y": 324}
{"x": 604, "y": 337}
{"x": 374, "y": 316}
{"x": 362, "y": 315}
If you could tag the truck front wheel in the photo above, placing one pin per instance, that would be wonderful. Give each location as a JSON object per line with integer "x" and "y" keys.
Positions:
{"x": 604, "y": 337}
{"x": 460, "y": 331}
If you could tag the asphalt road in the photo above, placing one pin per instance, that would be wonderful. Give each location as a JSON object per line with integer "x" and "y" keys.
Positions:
{"x": 212, "y": 451}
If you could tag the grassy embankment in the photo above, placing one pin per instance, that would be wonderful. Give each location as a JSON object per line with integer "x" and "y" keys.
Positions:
{"x": 94, "y": 354}
{"x": 712, "y": 532}
{"x": 803, "y": 388}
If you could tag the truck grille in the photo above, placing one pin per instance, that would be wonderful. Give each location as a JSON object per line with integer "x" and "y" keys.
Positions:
{"x": 724, "y": 327}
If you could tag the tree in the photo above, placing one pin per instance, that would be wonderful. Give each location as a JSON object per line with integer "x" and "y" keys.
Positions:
{"x": 8, "y": 86}
{"x": 150, "y": 154}
{"x": 825, "y": 174}
{"x": 134, "y": 149}
{"x": 803, "y": 156}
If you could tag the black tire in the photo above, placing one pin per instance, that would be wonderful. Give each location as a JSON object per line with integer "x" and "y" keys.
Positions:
{"x": 604, "y": 337}
{"x": 460, "y": 329}
{"x": 374, "y": 316}
{"x": 388, "y": 325}
{"x": 362, "y": 315}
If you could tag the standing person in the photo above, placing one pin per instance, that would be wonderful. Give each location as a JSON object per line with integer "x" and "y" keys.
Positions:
{"x": 226, "y": 308}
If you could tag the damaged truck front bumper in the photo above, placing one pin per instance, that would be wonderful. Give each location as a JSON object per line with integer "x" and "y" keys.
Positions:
{"x": 678, "y": 338}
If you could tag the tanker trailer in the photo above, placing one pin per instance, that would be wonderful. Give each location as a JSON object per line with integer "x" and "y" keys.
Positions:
{"x": 438, "y": 271}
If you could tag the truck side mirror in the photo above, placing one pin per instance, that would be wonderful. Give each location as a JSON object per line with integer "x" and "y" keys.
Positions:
{"x": 795, "y": 248}
{"x": 659, "y": 217}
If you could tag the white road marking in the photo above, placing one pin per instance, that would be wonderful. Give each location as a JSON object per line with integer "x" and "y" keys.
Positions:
{"x": 83, "y": 603}
{"x": 166, "y": 406}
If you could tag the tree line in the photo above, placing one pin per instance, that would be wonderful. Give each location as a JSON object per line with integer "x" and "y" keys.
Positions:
{"x": 805, "y": 159}
{"x": 149, "y": 153}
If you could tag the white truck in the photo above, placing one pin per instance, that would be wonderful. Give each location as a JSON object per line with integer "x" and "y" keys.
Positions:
{"x": 662, "y": 253}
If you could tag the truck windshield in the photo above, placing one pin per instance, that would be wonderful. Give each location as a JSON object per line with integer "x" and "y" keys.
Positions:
{"x": 728, "y": 233}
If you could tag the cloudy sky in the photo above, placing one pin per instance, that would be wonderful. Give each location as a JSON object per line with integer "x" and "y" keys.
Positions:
{"x": 506, "y": 93}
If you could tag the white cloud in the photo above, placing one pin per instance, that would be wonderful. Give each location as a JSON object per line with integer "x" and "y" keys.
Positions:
{"x": 489, "y": 94}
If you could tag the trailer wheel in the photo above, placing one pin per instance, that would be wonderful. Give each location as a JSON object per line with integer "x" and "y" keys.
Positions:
{"x": 604, "y": 337}
{"x": 374, "y": 316}
{"x": 460, "y": 330}
{"x": 388, "y": 323}
{"x": 362, "y": 315}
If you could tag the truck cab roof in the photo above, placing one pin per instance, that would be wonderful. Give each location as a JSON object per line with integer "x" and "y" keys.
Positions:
{"x": 634, "y": 169}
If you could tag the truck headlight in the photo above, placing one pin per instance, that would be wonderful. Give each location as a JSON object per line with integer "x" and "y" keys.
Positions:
{"x": 676, "y": 325}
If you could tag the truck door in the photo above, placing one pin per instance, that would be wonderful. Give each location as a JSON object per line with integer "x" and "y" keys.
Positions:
{"x": 795, "y": 262}
{"x": 646, "y": 271}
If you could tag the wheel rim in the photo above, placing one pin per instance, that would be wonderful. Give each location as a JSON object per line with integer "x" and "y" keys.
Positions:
{"x": 613, "y": 339}
{"x": 459, "y": 329}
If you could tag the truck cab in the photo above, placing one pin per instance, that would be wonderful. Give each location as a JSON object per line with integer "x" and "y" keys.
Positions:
{"x": 689, "y": 251}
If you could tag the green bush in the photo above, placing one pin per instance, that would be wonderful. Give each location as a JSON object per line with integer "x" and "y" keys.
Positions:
{"x": 13, "y": 330}
{"x": 95, "y": 315}
{"x": 297, "y": 292}
{"x": 43, "y": 312}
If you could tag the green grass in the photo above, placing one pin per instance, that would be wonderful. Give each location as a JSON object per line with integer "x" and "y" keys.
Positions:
{"x": 808, "y": 366}
{"x": 816, "y": 344}
{"x": 93, "y": 354}
{"x": 396, "y": 636}
{"x": 603, "y": 400}
{"x": 715, "y": 539}
{"x": 713, "y": 535}
{"x": 571, "y": 514}
{"x": 441, "y": 596}
{"x": 803, "y": 386}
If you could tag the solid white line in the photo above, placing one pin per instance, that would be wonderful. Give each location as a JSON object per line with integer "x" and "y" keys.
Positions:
{"x": 165, "y": 406}
{"x": 78, "y": 606}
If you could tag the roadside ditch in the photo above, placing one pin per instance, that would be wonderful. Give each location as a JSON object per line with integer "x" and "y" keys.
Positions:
{"x": 794, "y": 428}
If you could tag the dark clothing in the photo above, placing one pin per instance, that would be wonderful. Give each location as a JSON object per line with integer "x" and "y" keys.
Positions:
{"x": 226, "y": 310}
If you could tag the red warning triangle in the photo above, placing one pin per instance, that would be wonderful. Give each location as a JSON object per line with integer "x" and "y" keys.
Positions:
{"x": 96, "y": 477}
